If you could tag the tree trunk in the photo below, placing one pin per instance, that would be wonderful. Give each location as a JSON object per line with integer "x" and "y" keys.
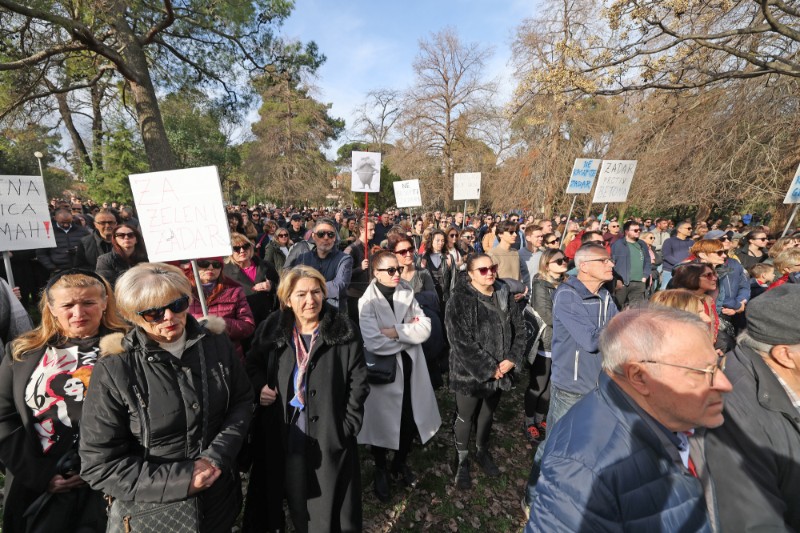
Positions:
{"x": 81, "y": 153}
{"x": 97, "y": 125}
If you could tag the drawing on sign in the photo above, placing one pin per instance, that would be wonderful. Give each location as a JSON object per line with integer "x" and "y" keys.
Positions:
{"x": 24, "y": 216}
{"x": 366, "y": 167}
{"x": 181, "y": 214}
{"x": 467, "y": 186}
{"x": 582, "y": 177}
{"x": 793, "y": 194}
{"x": 406, "y": 193}
{"x": 614, "y": 181}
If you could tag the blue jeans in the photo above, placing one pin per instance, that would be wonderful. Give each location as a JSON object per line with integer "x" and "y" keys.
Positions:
{"x": 665, "y": 277}
{"x": 560, "y": 402}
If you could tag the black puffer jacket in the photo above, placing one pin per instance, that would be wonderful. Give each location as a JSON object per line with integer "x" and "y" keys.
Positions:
{"x": 481, "y": 336}
{"x": 542, "y": 303}
{"x": 171, "y": 395}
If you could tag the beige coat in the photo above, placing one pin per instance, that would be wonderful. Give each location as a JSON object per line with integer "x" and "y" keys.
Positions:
{"x": 385, "y": 402}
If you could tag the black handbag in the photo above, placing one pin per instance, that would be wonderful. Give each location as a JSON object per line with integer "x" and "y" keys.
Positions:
{"x": 176, "y": 517}
{"x": 381, "y": 369}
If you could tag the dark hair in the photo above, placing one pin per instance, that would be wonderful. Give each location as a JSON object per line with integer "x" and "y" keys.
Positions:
{"x": 687, "y": 275}
{"x": 507, "y": 226}
{"x": 139, "y": 254}
{"x": 429, "y": 241}
{"x": 751, "y": 234}
{"x": 471, "y": 258}
{"x": 377, "y": 258}
{"x": 239, "y": 221}
{"x": 396, "y": 239}
{"x": 587, "y": 236}
{"x": 629, "y": 223}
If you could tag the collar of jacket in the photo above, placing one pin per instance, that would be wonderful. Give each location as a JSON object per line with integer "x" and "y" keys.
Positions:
{"x": 334, "y": 328}
{"x": 578, "y": 286}
{"x": 770, "y": 393}
{"x": 136, "y": 338}
{"x": 500, "y": 287}
{"x": 546, "y": 283}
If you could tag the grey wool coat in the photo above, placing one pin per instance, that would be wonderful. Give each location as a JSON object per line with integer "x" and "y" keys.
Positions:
{"x": 385, "y": 402}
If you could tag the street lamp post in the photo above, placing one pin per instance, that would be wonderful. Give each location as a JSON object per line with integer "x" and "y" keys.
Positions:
{"x": 39, "y": 156}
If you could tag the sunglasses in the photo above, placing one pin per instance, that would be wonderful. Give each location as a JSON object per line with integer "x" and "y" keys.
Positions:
{"x": 391, "y": 270}
{"x": 242, "y": 248}
{"x": 553, "y": 241}
{"x": 710, "y": 275}
{"x": 485, "y": 270}
{"x": 282, "y": 236}
{"x": 156, "y": 314}
{"x": 328, "y": 234}
{"x": 560, "y": 261}
{"x": 205, "y": 263}
{"x": 721, "y": 253}
{"x": 125, "y": 235}
{"x": 635, "y": 230}
{"x": 453, "y": 235}
{"x": 404, "y": 251}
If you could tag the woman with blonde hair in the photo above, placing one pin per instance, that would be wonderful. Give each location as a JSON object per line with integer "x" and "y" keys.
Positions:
{"x": 685, "y": 300}
{"x": 786, "y": 263}
{"x": 43, "y": 382}
{"x": 307, "y": 359}
{"x": 258, "y": 279}
{"x": 168, "y": 408}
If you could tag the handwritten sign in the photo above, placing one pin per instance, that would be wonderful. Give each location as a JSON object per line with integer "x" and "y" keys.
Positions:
{"x": 24, "y": 217}
{"x": 406, "y": 193}
{"x": 614, "y": 181}
{"x": 793, "y": 194}
{"x": 467, "y": 186}
{"x": 582, "y": 177}
{"x": 181, "y": 214}
{"x": 366, "y": 172}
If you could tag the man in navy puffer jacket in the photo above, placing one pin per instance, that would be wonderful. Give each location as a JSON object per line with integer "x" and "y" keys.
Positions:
{"x": 621, "y": 458}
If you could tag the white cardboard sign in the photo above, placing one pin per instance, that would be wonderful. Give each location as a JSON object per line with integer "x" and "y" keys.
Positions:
{"x": 181, "y": 214}
{"x": 407, "y": 194}
{"x": 614, "y": 181}
{"x": 793, "y": 194}
{"x": 467, "y": 186}
{"x": 24, "y": 218}
{"x": 582, "y": 177}
{"x": 366, "y": 172}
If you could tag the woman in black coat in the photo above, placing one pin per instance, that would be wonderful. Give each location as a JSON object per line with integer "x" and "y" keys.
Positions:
{"x": 320, "y": 394}
{"x": 258, "y": 278}
{"x": 169, "y": 406}
{"x": 487, "y": 340}
{"x": 128, "y": 250}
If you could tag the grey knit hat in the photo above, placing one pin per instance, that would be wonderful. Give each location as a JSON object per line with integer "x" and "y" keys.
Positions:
{"x": 772, "y": 317}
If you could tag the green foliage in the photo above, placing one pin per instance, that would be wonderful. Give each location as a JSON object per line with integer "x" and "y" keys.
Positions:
{"x": 123, "y": 154}
{"x": 17, "y": 147}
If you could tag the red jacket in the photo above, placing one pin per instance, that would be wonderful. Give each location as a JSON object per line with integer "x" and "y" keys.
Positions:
{"x": 230, "y": 305}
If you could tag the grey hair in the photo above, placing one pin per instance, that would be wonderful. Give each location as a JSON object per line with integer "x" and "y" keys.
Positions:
{"x": 640, "y": 332}
{"x": 744, "y": 339}
{"x": 149, "y": 285}
{"x": 329, "y": 221}
{"x": 586, "y": 250}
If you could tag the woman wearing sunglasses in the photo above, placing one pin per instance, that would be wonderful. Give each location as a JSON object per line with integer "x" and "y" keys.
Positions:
{"x": 439, "y": 263}
{"x": 393, "y": 325}
{"x": 258, "y": 278}
{"x": 487, "y": 340}
{"x": 44, "y": 376}
{"x": 169, "y": 404}
{"x": 701, "y": 279}
{"x": 127, "y": 251}
{"x": 551, "y": 241}
{"x": 224, "y": 299}
{"x": 277, "y": 250}
{"x": 552, "y": 271}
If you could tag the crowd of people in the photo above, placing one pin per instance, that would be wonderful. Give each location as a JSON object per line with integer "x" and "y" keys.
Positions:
{"x": 660, "y": 360}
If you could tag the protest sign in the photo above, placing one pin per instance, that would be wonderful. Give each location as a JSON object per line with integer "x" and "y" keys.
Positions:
{"x": 793, "y": 194}
{"x": 366, "y": 172}
{"x": 582, "y": 177}
{"x": 614, "y": 181}
{"x": 181, "y": 213}
{"x": 406, "y": 193}
{"x": 24, "y": 217}
{"x": 467, "y": 186}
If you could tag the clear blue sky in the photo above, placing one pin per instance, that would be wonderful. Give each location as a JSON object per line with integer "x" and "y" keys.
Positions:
{"x": 371, "y": 45}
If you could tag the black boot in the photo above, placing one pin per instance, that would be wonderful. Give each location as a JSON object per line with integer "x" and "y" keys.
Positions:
{"x": 381, "y": 482}
{"x": 463, "y": 478}
{"x": 483, "y": 458}
{"x": 403, "y": 474}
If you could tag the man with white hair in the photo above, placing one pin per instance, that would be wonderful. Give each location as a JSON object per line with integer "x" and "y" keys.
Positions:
{"x": 622, "y": 457}
{"x": 755, "y": 456}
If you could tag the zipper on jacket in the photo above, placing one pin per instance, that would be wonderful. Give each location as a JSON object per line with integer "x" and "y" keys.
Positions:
{"x": 227, "y": 389}
{"x": 141, "y": 407}
{"x": 577, "y": 358}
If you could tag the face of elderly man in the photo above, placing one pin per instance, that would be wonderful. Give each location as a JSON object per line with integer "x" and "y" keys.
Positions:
{"x": 675, "y": 385}
{"x": 324, "y": 238}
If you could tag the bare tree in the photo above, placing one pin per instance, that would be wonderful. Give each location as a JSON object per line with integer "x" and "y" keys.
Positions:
{"x": 378, "y": 115}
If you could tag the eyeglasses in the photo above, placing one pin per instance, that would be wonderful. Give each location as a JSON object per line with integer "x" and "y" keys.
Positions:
{"x": 156, "y": 314}
{"x": 328, "y": 234}
{"x": 282, "y": 235}
{"x": 688, "y": 228}
{"x": 560, "y": 261}
{"x": 242, "y": 248}
{"x": 484, "y": 271}
{"x": 125, "y": 235}
{"x": 453, "y": 235}
{"x": 205, "y": 263}
{"x": 710, "y": 275}
{"x": 242, "y": 205}
{"x": 469, "y": 237}
{"x": 391, "y": 270}
{"x": 605, "y": 261}
{"x": 712, "y": 371}
{"x": 725, "y": 239}
{"x": 553, "y": 241}
{"x": 759, "y": 239}
{"x": 720, "y": 253}
{"x": 404, "y": 251}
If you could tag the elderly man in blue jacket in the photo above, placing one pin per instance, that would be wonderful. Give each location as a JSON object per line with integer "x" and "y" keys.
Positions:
{"x": 621, "y": 459}
{"x": 582, "y": 307}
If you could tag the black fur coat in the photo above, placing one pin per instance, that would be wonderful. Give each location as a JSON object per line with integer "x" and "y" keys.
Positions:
{"x": 481, "y": 335}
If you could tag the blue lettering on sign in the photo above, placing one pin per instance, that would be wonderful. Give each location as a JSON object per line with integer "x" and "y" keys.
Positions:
{"x": 796, "y": 193}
